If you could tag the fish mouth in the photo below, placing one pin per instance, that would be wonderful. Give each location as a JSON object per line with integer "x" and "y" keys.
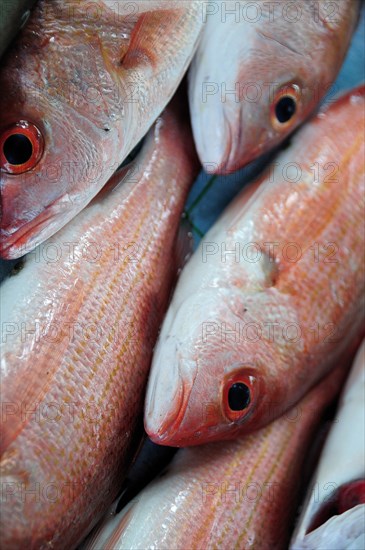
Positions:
{"x": 166, "y": 402}
{"x": 165, "y": 432}
{"x": 230, "y": 153}
{"x": 42, "y": 227}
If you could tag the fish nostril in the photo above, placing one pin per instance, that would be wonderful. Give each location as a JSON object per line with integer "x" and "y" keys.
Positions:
{"x": 239, "y": 396}
{"x": 17, "y": 149}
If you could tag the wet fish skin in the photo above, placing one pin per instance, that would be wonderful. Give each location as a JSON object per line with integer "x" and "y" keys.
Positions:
{"x": 342, "y": 532}
{"x": 150, "y": 461}
{"x": 248, "y": 57}
{"x": 86, "y": 326}
{"x": 86, "y": 106}
{"x": 236, "y": 494}
{"x": 341, "y": 464}
{"x": 232, "y": 315}
{"x": 13, "y": 15}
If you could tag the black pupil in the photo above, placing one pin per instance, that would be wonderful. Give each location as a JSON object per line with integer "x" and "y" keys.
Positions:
{"x": 285, "y": 109}
{"x": 238, "y": 397}
{"x": 17, "y": 149}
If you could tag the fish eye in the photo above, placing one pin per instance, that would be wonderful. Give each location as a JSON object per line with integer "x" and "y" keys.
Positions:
{"x": 238, "y": 396}
{"x": 21, "y": 147}
{"x": 285, "y": 107}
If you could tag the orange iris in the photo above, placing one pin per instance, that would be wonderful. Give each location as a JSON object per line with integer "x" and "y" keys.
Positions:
{"x": 238, "y": 395}
{"x": 284, "y": 108}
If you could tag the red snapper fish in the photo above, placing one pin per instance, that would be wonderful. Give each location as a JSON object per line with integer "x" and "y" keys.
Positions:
{"x": 274, "y": 296}
{"x": 239, "y": 494}
{"x": 260, "y": 70}
{"x": 79, "y": 322}
{"x": 80, "y": 87}
{"x": 333, "y": 515}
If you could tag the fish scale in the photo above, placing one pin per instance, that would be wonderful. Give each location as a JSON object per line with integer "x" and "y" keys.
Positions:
{"x": 89, "y": 389}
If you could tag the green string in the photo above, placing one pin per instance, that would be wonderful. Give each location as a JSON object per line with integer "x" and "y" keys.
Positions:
{"x": 202, "y": 193}
{"x": 196, "y": 229}
{"x": 196, "y": 202}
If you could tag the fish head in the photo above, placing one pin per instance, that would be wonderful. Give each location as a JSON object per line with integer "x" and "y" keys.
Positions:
{"x": 48, "y": 170}
{"x": 54, "y": 154}
{"x": 209, "y": 381}
{"x": 250, "y": 93}
{"x": 62, "y": 128}
{"x": 249, "y": 115}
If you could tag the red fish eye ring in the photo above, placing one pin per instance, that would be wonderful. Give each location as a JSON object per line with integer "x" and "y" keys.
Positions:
{"x": 21, "y": 147}
{"x": 238, "y": 396}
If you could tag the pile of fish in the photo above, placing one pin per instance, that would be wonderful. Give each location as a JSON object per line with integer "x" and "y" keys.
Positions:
{"x": 113, "y": 329}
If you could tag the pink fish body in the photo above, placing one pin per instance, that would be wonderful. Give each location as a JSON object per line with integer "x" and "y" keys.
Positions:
{"x": 79, "y": 322}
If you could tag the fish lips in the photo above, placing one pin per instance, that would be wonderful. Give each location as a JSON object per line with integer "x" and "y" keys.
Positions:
{"x": 29, "y": 235}
{"x": 168, "y": 393}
